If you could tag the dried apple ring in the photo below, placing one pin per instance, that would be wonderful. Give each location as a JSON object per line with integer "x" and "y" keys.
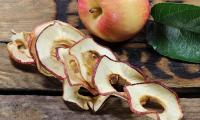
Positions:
{"x": 18, "y": 48}
{"x": 111, "y": 76}
{"x": 168, "y": 106}
{"x": 54, "y": 35}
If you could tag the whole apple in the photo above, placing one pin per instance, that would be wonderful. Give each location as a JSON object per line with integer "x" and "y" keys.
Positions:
{"x": 114, "y": 20}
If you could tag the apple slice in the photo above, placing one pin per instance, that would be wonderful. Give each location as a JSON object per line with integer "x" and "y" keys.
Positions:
{"x": 55, "y": 35}
{"x": 73, "y": 94}
{"x": 140, "y": 95}
{"x": 32, "y": 48}
{"x": 87, "y": 52}
{"x": 18, "y": 49}
{"x": 111, "y": 76}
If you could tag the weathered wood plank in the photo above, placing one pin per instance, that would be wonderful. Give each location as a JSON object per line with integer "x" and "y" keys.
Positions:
{"x": 54, "y": 108}
{"x": 13, "y": 76}
{"x": 24, "y": 15}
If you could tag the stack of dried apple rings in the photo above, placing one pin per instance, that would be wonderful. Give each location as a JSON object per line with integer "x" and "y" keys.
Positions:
{"x": 57, "y": 49}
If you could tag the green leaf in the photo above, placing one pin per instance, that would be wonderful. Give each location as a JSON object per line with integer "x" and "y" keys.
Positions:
{"x": 178, "y": 15}
{"x": 175, "y": 43}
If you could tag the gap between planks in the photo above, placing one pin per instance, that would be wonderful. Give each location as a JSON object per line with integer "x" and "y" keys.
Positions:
{"x": 182, "y": 92}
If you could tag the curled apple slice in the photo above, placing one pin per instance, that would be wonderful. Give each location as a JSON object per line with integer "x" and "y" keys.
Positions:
{"x": 37, "y": 31}
{"x": 111, "y": 76}
{"x": 87, "y": 53}
{"x": 71, "y": 94}
{"x": 55, "y": 34}
{"x": 85, "y": 100}
{"x": 18, "y": 48}
{"x": 168, "y": 107}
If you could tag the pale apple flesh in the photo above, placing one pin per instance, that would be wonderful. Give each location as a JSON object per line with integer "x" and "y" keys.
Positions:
{"x": 114, "y": 21}
{"x": 141, "y": 94}
{"x": 61, "y": 52}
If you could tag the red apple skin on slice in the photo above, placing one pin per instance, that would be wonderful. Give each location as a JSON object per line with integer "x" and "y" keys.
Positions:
{"x": 55, "y": 35}
{"x": 161, "y": 94}
{"x": 109, "y": 71}
{"x": 114, "y": 21}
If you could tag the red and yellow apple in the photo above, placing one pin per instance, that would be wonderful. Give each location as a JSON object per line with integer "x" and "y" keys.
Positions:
{"x": 114, "y": 20}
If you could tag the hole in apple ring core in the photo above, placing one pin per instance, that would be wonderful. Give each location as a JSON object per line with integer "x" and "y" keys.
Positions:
{"x": 152, "y": 104}
{"x": 20, "y": 45}
{"x": 84, "y": 92}
{"x": 118, "y": 82}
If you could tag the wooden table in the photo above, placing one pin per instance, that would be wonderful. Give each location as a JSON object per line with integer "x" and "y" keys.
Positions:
{"x": 27, "y": 95}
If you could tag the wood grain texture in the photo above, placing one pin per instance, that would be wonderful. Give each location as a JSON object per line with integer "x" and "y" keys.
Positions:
{"x": 54, "y": 108}
{"x": 14, "y": 76}
{"x": 24, "y": 15}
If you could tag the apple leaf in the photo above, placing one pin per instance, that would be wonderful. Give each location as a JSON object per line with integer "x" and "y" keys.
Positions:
{"x": 178, "y": 15}
{"x": 175, "y": 32}
{"x": 174, "y": 42}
